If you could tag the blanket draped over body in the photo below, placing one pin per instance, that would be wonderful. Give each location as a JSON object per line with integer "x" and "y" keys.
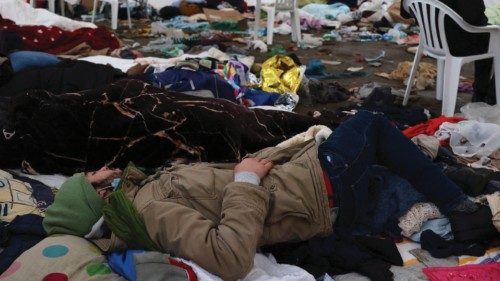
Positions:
{"x": 133, "y": 121}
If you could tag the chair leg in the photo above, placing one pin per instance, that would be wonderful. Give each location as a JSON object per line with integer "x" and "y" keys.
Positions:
{"x": 450, "y": 85}
{"x": 52, "y": 6}
{"x": 257, "y": 21}
{"x": 93, "y": 10}
{"x": 439, "y": 79}
{"x": 101, "y": 9}
{"x": 295, "y": 21}
{"x": 496, "y": 72}
{"x": 413, "y": 72}
{"x": 32, "y": 3}
{"x": 63, "y": 7}
{"x": 114, "y": 15}
{"x": 128, "y": 15}
{"x": 270, "y": 26}
{"x": 294, "y": 28}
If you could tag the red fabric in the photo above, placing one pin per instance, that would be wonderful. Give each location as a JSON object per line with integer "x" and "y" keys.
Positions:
{"x": 329, "y": 190}
{"x": 430, "y": 127}
{"x": 189, "y": 270}
{"x": 477, "y": 272}
{"x": 55, "y": 40}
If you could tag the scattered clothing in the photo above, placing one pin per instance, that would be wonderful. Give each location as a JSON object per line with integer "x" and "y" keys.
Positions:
{"x": 412, "y": 221}
{"x": 441, "y": 248}
{"x": 256, "y": 97}
{"x": 55, "y": 40}
{"x": 476, "y": 226}
{"x": 136, "y": 265}
{"x": 430, "y": 127}
{"x": 473, "y": 181}
{"x": 429, "y": 145}
{"x": 18, "y": 236}
{"x": 440, "y": 226}
{"x": 181, "y": 80}
{"x": 494, "y": 204}
{"x": 326, "y": 12}
{"x": 395, "y": 196}
{"x": 467, "y": 272}
{"x": 314, "y": 91}
{"x": 382, "y": 100}
{"x": 425, "y": 77}
{"x": 339, "y": 253}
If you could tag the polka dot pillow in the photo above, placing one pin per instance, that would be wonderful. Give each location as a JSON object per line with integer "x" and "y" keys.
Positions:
{"x": 61, "y": 258}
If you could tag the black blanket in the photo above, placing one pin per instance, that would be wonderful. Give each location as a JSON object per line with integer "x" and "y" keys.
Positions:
{"x": 133, "y": 121}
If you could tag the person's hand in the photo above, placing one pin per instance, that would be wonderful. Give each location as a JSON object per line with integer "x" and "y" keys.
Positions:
{"x": 255, "y": 165}
{"x": 103, "y": 175}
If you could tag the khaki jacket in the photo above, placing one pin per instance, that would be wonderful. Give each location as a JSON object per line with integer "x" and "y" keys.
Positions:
{"x": 199, "y": 213}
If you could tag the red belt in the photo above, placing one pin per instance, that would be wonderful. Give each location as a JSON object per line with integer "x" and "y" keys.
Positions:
{"x": 329, "y": 190}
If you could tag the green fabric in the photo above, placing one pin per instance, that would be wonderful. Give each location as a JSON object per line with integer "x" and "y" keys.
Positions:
{"x": 124, "y": 221}
{"x": 76, "y": 208}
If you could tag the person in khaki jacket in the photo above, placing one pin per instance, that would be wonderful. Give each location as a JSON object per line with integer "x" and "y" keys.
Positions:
{"x": 218, "y": 214}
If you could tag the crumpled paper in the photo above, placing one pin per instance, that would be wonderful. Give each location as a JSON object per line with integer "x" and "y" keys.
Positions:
{"x": 280, "y": 74}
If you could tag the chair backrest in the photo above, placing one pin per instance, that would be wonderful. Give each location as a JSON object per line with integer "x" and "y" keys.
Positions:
{"x": 285, "y": 5}
{"x": 430, "y": 15}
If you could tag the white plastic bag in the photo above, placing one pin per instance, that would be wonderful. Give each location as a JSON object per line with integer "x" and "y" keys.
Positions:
{"x": 482, "y": 112}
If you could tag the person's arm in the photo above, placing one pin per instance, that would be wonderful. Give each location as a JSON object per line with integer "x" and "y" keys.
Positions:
{"x": 226, "y": 248}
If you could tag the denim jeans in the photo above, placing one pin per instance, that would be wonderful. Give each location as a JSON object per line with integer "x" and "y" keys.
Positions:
{"x": 22, "y": 60}
{"x": 368, "y": 139}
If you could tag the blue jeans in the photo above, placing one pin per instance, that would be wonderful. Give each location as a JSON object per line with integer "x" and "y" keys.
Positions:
{"x": 22, "y": 60}
{"x": 368, "y": 139}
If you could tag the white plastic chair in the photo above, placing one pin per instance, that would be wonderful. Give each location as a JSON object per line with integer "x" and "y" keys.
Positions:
{"x": 279, "y": 6}
{"x": 52, "y": 5}
{"x": 433, "y": 43}
{"x": 114, "y": 12}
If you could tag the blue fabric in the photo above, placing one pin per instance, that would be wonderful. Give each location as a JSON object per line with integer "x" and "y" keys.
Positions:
{"x": 189, "y": 80}
{"x": 180, "y": 23}
{"x": 42, "y": 193}
{"x": 441, "y": 227}
{"x": 324, "y": 11}
{"x": 317, "y": 70}
{"x": 123, "y": 263}
{"x": 18, "y": 236}
{"x": 394, "y": 198}
{"x": 22, "y": 60}
{"x": 255, "y": 97}
{"x": 367, "y": 139}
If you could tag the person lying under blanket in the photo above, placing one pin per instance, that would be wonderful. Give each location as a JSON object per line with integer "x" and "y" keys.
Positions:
{"x": 218, "y": 214}
{"x": 130, "y": 120}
